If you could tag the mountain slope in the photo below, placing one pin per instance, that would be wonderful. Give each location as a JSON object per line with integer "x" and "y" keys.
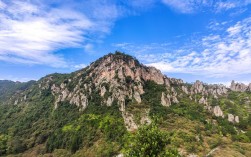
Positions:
{"x": 90, "y": 112}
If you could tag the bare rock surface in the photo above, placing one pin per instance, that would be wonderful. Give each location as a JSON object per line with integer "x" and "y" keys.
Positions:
{"x": 218, "y": 112}
{"x": 165, "y": 100}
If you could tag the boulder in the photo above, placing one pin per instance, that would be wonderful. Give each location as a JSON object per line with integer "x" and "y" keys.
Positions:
{"x": 165, "y": 100}
{"x": 217, "y": 111}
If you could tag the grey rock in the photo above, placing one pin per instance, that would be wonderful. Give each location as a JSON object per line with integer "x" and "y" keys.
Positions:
{"x": 184, "y": 89}
{"x": 203, "y": 101}
{"x": 236, "y": 119}
{"x": 175, "y": 100}
{"x": 165, "y": 100}
{"x": 102, "y": 91}
{"x": 218, "y": 112}
{"x": 137, "y": 97}
{"x": 16, "y": 102}
{"x": 230, "y": 118}
{"x": 129, "y": 122}
{"x": 239, "y": 87}
{"x": 197, "y": 87}
{"x": 109, "y": 101}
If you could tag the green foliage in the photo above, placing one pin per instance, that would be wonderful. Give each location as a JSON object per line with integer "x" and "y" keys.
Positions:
{"x": 126, "y": 57}
{"x": 149, "y": 141}
{"x": 16, "y": 146}
{"x": 107, "y": 149}
{"x": 84, "y": 131}
{"x": 61, "y": 153}
{"x": 226, "y": 127}
{"x": 100, "y": 130}
{"x": 3, "y": 144}
{"x": 233, "y": 96}
{"x": 191, "y": 111}
{"x": 152, "y": 97}
{"x": 117, "y": 125}
{"x": 243, "y": 124}
{"x": 241, "y": 138}
{"x": 8, "y": 88}
{"x": 215, "y": 141}
{"x": 128, "y": 79}
{"x": 248, "y": 134}
{"x": 117, "y": 56}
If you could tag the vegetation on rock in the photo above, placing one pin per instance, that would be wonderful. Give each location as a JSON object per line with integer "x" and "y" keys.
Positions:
{"x": 96, "y": 112}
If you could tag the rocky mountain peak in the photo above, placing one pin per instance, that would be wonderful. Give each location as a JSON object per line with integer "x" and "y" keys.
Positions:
{"x": 124, "y": 68}
{"x": 116, "y": 58}
{"x": 240, "y": 87}
{"x": 114, "y": 78}
{"x": 116, "y": 90}
{"x": 118, "y": 78}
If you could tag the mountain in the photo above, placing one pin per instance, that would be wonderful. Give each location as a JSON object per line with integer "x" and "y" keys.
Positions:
{"x": 8, "y": 88}
{"x": 101, "y": 109}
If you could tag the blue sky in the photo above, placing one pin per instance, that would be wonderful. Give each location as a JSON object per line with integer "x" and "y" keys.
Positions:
{"x": 208, "y": 40}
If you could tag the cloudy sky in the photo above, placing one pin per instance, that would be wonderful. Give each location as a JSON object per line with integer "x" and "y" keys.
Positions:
{"x": 209, "y": 40}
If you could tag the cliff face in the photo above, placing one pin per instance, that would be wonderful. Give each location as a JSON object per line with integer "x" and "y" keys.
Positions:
{"x": 240, "y": 87}
{"x": 117, "y": 78}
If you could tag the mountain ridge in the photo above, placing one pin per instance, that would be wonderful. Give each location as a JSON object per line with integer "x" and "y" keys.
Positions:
{"x": 119, "y": 89}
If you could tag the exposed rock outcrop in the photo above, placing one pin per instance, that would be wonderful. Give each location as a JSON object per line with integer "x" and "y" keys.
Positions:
{"x": 197, "y": 87}
{"x": 217, "y": 90}
{"x": 239, "y": 87}
{"x": 121, "y": 78}
{"x": 249, "y": 87}
{"x": 102, "y": 91}
{"x": 203, "y": 101}
{"x": 184, "y": 89}
{"x": 109, "y": 101}
{"x": 129, "y": 122}
{"x": 137, "y": 97}
{"x": 233, "y": 119}
{"x": 165, "y": 100}
{"x": 175, "y": 100}
{"x": 217, "y": 111}
{"x": 204, "y": 89}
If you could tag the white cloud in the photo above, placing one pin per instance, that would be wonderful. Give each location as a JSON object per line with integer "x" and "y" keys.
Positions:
{"x": 216, "y": 55}
{"x": 191, "y": 6}
{"x": 184, "y": 6}
{"x": 88, "y": 48}
{"x": 79, "y": 66}
{"x": 163, "y": 66}
{"x": 30, "y": 32}
{"x": 234, "y": 29}
{"x": 225, "y": 5}
{"x": 2, "y": 5}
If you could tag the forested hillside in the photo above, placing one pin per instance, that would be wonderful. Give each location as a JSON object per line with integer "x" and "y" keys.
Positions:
{"x": 118, "y": 106}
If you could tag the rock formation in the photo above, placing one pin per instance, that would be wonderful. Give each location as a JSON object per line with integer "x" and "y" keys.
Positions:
{"x": 203, "y": 101}
{"x": 165, "y": 100}
{"x": 119, "y": 77}
{"x": 239, "y": 87}
{"x": 232, "y": 118}
{"x": 217, "y": 111}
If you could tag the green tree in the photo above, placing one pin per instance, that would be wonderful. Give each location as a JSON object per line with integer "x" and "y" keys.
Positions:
{"x": 149, "y": 141}
{"x": 3, "y": 144}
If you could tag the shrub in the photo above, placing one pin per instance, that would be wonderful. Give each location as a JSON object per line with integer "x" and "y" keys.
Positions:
{"x": 241, "y": 138}
{"x": 149, "y": 141}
